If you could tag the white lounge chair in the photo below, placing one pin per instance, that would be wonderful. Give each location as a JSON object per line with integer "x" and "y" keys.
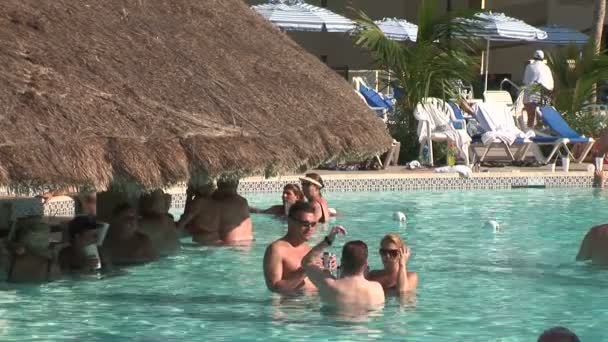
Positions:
{"x": 437, "y": 122}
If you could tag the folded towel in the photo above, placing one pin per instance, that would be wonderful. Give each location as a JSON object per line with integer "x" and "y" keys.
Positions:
{"x": 462, "y": 170}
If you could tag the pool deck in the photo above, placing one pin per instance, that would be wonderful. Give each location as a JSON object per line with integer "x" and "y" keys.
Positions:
{"x": 401, "y": 179}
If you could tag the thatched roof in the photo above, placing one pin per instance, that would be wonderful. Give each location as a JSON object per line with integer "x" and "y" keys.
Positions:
{"x": 156, "y": 91}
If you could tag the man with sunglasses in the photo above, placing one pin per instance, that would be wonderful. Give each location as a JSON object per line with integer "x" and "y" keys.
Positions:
{"x": 283, "y": 258}
{"x": 351, "y": 291}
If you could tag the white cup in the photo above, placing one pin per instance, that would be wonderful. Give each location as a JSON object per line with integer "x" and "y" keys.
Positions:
{"x": 91, "y": 251}
{"x": 599, "y": 163}
{"x": 552, "y": 167}
{"x": 566, "y": 164}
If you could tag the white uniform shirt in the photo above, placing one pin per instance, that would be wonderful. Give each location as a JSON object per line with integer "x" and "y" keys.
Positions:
{"x": 537, "y": 72}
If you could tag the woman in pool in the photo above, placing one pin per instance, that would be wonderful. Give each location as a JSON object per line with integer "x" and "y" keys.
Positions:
{"x": 394, "y": 277}
{"x": 291, "y": 194}
{"x": 312, "y": 185}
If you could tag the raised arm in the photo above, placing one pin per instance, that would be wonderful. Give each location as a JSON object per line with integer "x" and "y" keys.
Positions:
{"x": 319, "y": 276}
{"x": 273, "y": 273}
{"x": 405, "y": 284}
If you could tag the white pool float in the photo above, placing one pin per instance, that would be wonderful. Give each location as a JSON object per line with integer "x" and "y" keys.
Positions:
{"x": 399, "y": 216}
{"x": 492, "y": 225}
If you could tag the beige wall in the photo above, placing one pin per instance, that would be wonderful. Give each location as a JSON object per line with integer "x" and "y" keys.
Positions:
{"x": 504, "y": 58}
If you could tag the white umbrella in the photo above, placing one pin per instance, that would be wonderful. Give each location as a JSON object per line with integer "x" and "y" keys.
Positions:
{"x": 499, "y": 27}
{"x": 398, "y": 29}
{"x": 296, "y": 15}
{"x": 563, "y": 35}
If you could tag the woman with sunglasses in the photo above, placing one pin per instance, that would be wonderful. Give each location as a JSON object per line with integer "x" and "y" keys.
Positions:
{"x": 394, "y": 277}
{"x": 311, "y": 186}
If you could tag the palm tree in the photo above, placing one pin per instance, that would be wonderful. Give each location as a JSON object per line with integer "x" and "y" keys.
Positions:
{"x": 426, "y": 68}
{"x": 599, "y": 15}
{"x": 576, "y": 73}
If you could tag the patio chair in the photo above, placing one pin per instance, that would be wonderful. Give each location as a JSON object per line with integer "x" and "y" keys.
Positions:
{"x": 437, "y": 122}
{"x": 566, "y": 135}
{"x": 498, "y": 96}
{"x": 499, "y": 130}
{"x": 375, "y": 100}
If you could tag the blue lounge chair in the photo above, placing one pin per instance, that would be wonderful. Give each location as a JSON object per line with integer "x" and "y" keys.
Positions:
{"x": 552, "y": 118}
{"x": 377, "y": 102}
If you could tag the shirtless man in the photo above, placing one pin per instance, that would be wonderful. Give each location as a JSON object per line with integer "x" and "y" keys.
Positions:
{"x": 234, "y": 221}
{"x": 156, "y": 223}
{"x": 351, "y": 292}
{"x": 124, "y": 244}
{"x": 283, "y": 258}
{"x": 201, "y": 217}
{"x": 595, "y": 246}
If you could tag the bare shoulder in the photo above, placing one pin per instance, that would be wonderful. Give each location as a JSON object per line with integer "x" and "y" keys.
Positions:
{"x": 276, "y": 246}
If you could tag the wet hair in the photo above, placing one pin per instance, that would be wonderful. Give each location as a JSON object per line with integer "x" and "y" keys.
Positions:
{"x": 295, "y": 188}
{"x": 558, "y": 334}
{"x": 354, "y": 256}
{"x": 394, "y": 238}
{"x": 316, "y": 177}
{"x": 300, "y": 207}
{"x": 80, "y": 224}
{"x": 227, "y": 183}
{"x": 121, "y": 208}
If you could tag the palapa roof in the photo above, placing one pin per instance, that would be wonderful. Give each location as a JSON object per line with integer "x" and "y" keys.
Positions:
{"x": 154, "y": 92}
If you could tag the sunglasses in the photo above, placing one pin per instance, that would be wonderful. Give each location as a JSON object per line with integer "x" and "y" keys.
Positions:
{"x": 392, "y": 253}
{"x": 306, "y": 224}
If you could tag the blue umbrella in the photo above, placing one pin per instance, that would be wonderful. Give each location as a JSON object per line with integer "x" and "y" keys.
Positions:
{"x": 563, "y": 35}
{"x": 296, "y": 15}
{"x": 398, "y": 29}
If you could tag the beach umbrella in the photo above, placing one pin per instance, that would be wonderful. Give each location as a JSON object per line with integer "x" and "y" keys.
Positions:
{"x": 398, "y": 29}
{"x": 563, "y": 35}
{"x": 296, "y": 15}
{"x": 499, "y": 27}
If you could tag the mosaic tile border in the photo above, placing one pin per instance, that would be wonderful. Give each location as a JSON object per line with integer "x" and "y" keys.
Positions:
{"x": 342, "y": 183}
{"x": 427, "y": 183}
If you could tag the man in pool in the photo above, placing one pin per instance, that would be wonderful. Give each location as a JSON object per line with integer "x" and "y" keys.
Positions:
{"x": 595, "y": 246}
{"x": 351, "y": 291}
{"x": 235, "y": 225}
{"x": 283, "y": 258}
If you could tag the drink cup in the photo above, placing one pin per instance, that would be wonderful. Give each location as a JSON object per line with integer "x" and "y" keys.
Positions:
{"x": 101, "y": 233}
{"x": 91, "y": 252}
{"x": 566, "y": 164}
{"x": 552, "y": 167}
{"x": 599, "y": 164}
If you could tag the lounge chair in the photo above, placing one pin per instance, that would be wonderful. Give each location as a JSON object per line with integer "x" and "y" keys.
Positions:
{"x": 498, "y": 96}
{"x": 499, "y": 131}
{"x": 566, "y": 135}
{"x": 437, "y": 122}
{"x": 376, "y": 101}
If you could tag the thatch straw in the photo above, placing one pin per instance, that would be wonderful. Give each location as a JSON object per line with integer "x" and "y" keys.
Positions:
{"x": 155, "y": 91}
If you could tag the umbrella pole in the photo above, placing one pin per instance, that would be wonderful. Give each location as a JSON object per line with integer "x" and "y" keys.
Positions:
{"x": 487, "y": 65}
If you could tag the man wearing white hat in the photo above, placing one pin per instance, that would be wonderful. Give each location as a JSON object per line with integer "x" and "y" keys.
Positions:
{"x": 536, "y": 72}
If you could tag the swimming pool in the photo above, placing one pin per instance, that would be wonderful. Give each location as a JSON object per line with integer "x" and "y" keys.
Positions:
{"x": 475, "y": 285}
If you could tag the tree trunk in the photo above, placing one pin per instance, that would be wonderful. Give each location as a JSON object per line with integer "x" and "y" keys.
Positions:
{"x": 599, "y": 15}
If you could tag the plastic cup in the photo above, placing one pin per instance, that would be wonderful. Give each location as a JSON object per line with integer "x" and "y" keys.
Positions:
{"x": 552, "y": 167}
{"x": 101, "y": 233}
{"x": 91, "y": 252}
{"x": 599, "y": 164}
{"x": 565, "y": 164}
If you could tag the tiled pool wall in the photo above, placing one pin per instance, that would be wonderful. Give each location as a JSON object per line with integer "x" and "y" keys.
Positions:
{"x": 347, "y": 183}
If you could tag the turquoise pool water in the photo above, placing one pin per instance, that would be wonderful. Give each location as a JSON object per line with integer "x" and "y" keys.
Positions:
{"x": 475, "y": 285}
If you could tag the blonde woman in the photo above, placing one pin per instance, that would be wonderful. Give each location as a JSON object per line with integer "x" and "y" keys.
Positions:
{"x": 394, "y": 277}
